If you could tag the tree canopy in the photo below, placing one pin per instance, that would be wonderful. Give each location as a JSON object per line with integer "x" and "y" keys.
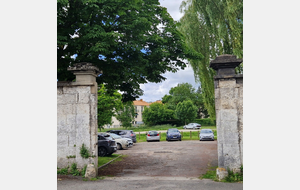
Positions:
{"x": 121, "y": 38}
{"x": 107, "y": 106}
{"x": 212, "y": 28}
{"x": 157, "y": 113}
{"x": 126, "y": 114}
{"x": 182, "y": 92}
{"x": 186, "y": 111}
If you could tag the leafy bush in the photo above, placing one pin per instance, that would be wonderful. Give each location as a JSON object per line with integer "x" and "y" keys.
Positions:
{"x": 234, "y": 177}
{"x": 84, "y": 152}
{"x": 74, "y": 170}
{"x": 206, "y": 122}
{"x": 63, "y": 171}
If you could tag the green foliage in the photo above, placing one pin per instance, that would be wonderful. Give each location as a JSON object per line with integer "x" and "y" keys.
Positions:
{"x": 83, "y": 171}
{"x": 126, "y": 115}
{"x": 157, "y": 113}
{"x": 234, "y": 177}
{"x": 121, "y": 38}
{"x": 185, "y": 91}
{"x": 74, "y": 170}
{"x": 210, "y": 174}
{"x": 212, "y": 28}
{"x": 71, "y": 156}
{"x": 106, "y": 159}
{"x": 84, "y": 152}
{"x": 206, "y": 121}
{"x": 186, "y": 111}
{"x": 63, "y": 171}
{"x": 107, "y": 105}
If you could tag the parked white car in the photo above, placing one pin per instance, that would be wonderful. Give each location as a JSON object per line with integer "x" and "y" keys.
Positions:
{"x": 206, "y": 134}
{"x": 122, "y": 143}
{"x": 192, "y": 126}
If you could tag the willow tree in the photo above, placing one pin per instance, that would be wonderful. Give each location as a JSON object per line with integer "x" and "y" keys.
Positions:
{"x": 212, "y": 28}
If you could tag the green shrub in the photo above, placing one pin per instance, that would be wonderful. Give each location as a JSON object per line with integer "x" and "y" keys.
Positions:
{"x": 63, "y": 171}
{"x": 206, "y": 122}
{"x": 84, "y": 152}
{"x": 74, "y": 170}
{"x": 83, "y": 171}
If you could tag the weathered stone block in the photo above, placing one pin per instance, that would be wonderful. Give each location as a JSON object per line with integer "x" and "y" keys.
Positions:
{"x": 66, "y": 98}
{"x": 70, "y": 90}
{"x": 227, "y": 93}
{"x": 84, "y": 98}
{"x": 59, "y": 90}
{"x": 228, "y": 114}
{"x": 221, "y": 173}
{"x": 217, "y": 93}
{"x": 90, "y": 171}
{"x": 227, "y": 83}
{"x": 227, "y": 104}
{"x": 231, "y": 154}
{"x": 83, "y": 109}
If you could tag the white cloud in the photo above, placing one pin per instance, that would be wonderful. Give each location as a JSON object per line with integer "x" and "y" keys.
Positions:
{"x": 155, "y": 91}
{"x": 172, "y": 7}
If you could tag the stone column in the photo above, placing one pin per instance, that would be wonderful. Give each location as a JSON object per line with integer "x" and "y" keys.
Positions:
{"x": 77, "y": 117}
{"x": 229, "y": 112}
{"x": 86, "y": 74}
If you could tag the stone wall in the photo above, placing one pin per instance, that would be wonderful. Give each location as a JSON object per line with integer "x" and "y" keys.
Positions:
{"x": 77, "y": 121}
{"x": 229, "y": 112}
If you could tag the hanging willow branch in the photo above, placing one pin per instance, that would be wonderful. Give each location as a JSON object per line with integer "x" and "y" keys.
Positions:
{"x": 212, "y": 28}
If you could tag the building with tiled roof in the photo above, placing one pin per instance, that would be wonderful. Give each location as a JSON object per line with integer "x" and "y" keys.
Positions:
{"x": 139, "y": 106}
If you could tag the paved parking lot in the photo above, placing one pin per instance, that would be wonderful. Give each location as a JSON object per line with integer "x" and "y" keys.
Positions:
{"x": 168, "y": 159}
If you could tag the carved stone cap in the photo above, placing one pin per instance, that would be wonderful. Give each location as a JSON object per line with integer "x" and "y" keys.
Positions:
{"x": 225, "y": 61}
{"x": 79, "y": 67}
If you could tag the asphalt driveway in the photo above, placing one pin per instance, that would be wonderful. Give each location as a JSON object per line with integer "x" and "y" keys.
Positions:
{"x": 158, "y": 165}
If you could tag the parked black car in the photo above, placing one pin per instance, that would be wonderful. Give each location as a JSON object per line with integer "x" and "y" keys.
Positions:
{"x": 106, "y": 144}
{"x": 125, "y": 133}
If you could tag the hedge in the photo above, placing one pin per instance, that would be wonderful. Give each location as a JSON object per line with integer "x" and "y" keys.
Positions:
{"x": 206, "y": 122}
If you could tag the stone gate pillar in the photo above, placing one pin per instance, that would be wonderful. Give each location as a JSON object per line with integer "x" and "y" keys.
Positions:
{"x": 229, "y": 112}
{"x": 77, "y": 117}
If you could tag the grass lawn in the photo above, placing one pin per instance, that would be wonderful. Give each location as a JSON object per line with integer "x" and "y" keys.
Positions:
{"x": 194, "y": 135}
{"x": 156, "y": 127}
{"x": 104, "y": 160}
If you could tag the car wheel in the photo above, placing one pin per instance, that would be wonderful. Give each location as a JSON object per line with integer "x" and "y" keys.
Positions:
{"x": 119, "y": 147}
{"x": 102, "y": 151}
{"x": 180, "y": 139}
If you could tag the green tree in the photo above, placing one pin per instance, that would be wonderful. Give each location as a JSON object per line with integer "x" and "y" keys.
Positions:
{"x": 182, "y": 92}
{"x": 126, "y": 115}
{"x": 186, "y": 111}
{"x": 107, "y": 106}
{"x": 212, "y": 28}
{"x": 157, "y": 113}
{"x": 121, "y": 38}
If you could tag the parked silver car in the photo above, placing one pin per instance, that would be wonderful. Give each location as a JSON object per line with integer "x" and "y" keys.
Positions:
{"x": 121, "y": 143}
{"x": 192, "y": 126}
{"x": 153, "y": 136}
{"x": 206, "y": 134}
{"x": 130, "y": 143}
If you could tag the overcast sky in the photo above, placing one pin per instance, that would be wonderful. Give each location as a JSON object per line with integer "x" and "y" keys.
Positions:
{"x": 155, "y": 91}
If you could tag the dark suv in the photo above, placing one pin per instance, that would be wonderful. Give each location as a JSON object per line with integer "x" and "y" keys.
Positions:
{"x": 125, "y": 133}
{"x": 106, "y": 144}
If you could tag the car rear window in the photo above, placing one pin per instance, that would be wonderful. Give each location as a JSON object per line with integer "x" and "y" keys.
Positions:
{"x": 152, "y": 132}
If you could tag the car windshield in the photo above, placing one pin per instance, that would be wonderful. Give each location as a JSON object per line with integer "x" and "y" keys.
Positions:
{"x": 206, "y": 131}
{"x": 173, "y": 130}
{"x": 115, "y": 136}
